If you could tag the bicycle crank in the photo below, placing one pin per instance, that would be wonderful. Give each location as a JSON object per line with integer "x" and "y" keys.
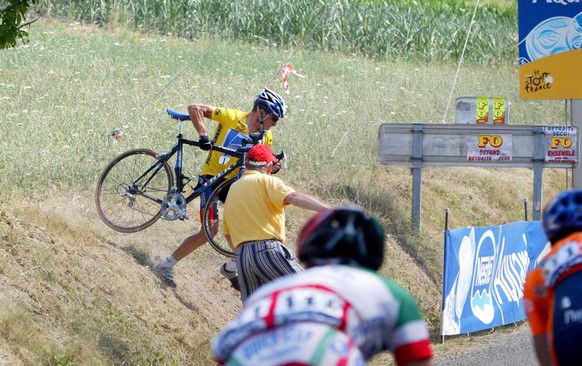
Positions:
{"x": 174, "y": 207}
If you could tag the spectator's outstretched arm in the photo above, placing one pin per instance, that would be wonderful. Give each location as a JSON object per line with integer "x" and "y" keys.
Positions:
{"x": 306, "y": 201}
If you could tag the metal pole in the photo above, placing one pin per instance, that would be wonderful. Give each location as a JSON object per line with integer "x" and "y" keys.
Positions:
{"x": 576, "y": 119}
{"x": 416, "y": 199}
{"x": 416, "y": 177}
{"x": 539, "y": 155}
{"x": 443, "y": 277}
{"x": 525, "y": 207}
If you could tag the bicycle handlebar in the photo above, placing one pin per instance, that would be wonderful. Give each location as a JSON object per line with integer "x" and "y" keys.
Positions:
{"x": 247, "y": 144}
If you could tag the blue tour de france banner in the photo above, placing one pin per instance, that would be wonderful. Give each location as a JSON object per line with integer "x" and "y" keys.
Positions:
{"x": 484, "y": 273}
{"x": 550, "y": 49}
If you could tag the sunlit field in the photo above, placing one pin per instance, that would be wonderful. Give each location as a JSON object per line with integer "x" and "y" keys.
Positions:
{"x": 95, "y": 68}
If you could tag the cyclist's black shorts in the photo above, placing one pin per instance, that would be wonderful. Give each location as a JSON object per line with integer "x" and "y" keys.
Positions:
{"x": 206, "y": 194}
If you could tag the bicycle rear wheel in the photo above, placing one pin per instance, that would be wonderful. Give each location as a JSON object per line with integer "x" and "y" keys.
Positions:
{"x": 131, "y": 189}
{"x": 212, "y": 218}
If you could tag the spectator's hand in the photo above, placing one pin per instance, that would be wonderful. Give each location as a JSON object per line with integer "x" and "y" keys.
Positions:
{"x": 205, "y": 143}
{"x": 276, "y": 167}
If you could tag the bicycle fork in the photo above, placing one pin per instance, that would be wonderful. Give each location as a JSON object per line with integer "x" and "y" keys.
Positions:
{"x": 174, "y": 203}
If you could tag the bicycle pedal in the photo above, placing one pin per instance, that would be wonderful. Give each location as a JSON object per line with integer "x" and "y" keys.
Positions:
{"x": 184, "y": 216}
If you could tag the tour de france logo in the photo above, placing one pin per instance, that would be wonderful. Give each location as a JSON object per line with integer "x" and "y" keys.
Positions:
{"x": 540, "y": 80}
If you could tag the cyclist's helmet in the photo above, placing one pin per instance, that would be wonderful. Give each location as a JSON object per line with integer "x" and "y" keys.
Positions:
{"x": 342, "y": 235}
{"x": 563, "y": 215}
{"x": 271, "y": 102}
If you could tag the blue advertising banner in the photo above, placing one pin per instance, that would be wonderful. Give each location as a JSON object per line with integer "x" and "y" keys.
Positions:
{"x": 484, "y": 273}
{"x": 550, "y": 49}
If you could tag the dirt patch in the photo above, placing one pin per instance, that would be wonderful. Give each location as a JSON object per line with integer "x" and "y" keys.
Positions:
{"x": 91, "y": 294}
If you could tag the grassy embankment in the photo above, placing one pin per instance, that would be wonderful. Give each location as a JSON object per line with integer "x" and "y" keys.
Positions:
{"x": 87, "y": 292}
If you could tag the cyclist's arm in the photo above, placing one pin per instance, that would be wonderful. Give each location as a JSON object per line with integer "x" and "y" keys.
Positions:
{"x": 542, "y": 348}
{"x": 197, "y": 113}
{"x": 276, "y": 167}
{"x": 536, "y": 307}
{"x": 427, "y": 362}
{"x": 305, "y": 201}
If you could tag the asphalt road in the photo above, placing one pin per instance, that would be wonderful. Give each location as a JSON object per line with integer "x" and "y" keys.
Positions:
{"x": 510, "y": 349}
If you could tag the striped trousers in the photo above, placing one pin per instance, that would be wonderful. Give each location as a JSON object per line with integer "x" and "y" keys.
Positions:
{"x": 259, "y": 262}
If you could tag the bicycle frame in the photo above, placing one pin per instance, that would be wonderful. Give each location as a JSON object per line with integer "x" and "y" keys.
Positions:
{"x": 178, "y": 150}
{"x": 129, "y": 205}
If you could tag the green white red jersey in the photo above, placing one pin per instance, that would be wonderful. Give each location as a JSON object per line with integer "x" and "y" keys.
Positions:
{"x": 375, "y": 314}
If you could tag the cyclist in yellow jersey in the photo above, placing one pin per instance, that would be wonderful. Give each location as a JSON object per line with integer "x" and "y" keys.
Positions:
{"x": 254, "y": 221}
{"x": 230, "y": 133}
{"x": 233, "y": 126}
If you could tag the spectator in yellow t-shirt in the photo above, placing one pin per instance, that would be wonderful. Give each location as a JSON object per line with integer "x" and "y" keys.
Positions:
{"x": 254, "y": 221}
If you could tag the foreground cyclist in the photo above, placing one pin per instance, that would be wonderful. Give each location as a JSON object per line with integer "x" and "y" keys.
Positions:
{"x": 339, "y": 311}
{"x": 553, "y": 290}
{"x": 233, "y": 126}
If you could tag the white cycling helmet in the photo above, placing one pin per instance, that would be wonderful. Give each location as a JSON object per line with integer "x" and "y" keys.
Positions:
{"x": 271, "y": 102}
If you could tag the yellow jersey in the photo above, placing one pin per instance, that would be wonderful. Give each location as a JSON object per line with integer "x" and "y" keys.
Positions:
{"x": 231, "y": 130}
{"x": 254, "y": 209}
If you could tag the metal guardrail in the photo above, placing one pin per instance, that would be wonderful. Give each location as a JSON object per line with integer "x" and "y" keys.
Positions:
{"x": 418, "y": 145}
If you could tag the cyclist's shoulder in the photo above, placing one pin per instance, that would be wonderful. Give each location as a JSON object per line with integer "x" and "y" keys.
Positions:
{"x": 232, "y": 115}
{"x": 575, "y": 237}
{"x": 362, "y": 278}
{"x": 269, "y": 138}
{"x": 534, "y": 287}
{"x": 563, "y": 250}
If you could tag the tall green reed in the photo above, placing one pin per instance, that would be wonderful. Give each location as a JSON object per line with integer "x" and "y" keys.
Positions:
{"x": 424, "y": 31}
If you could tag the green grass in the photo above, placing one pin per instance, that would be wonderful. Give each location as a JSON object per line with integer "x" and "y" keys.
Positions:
{"x": 424, "y": 31}
{"x": 72, "y": 85}
{"x": 63, "y": 93}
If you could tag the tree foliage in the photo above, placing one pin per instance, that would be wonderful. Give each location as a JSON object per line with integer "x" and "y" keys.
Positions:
{"x": 12, "y": 21}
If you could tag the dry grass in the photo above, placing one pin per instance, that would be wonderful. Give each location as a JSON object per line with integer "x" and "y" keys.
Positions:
{"x": 89, "y": 294}
{"x": 94, "y": 300}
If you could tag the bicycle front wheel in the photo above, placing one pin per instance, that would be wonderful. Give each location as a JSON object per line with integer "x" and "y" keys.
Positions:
{"x": 212, "y": 218}
{"x": 131, "y": 189}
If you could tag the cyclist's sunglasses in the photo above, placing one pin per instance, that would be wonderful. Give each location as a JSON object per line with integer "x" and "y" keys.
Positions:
{"x": 274, "y": 117}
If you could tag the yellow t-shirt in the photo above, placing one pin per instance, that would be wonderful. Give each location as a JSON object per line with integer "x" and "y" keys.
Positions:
{"x": 254, "y": 208}
{"x": 230, "y": 131}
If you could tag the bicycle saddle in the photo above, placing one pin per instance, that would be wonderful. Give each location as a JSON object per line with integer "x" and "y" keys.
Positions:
{"x": 177, "y": 115}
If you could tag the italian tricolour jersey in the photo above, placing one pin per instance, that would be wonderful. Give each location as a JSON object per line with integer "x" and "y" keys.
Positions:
{"x": 230, "y": 131}
{"x": 373, "y": 311}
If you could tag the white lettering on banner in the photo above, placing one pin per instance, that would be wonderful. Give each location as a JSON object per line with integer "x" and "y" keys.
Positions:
{"x": 510, "y": 275}
{"x": 562, "y": 2}
{"x": 484, "y": 270}
{"x": 574, "y": 316}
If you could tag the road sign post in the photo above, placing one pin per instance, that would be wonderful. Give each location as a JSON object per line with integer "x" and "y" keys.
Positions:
{"x": 418, "y": 145}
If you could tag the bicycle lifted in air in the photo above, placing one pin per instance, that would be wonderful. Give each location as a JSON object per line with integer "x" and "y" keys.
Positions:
{"x": 138, "y": 187}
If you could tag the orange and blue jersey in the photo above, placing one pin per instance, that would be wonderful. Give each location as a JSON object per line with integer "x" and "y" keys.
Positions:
{"x": 553, "y": 299}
